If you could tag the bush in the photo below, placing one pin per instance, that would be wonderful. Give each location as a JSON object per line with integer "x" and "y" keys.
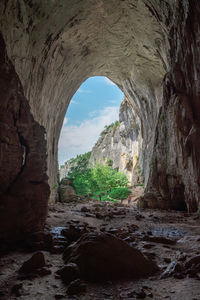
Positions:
{"x": 119, "y": 193}
{"x": 100, "y": 178}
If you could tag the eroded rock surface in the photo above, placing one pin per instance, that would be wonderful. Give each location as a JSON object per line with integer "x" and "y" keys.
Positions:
{"x": 24, "y": 190}
{"x": 119, "y": 145}
{"x": 150, "y": 49}
{"x": 99, "y": 257}
{"x": 66, "y": 191}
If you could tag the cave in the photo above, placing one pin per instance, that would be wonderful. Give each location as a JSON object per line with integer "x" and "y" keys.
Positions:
{"x": 149, "y": 49}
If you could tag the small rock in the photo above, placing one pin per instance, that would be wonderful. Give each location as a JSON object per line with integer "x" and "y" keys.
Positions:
{"x": 179, "y": 276}
{"x": 69, "y": 273}
{"x": 85, "y": 209}
{"x": 194, "y": 260}
{"x": 59, "y": 296}
{"x": 167, "y": 260}
{"x": 76, "y": 287}
{"x": 141, "y": 294}
{"x": 43, "y": 272}
{"x": 16, "y": 289}
{"x": 171, "y": 269}
{"x": 90, "y": 215}
{"x": 150, "y": 295}
{"x": 36, "y": 262}
{"x": 159, "y": 239}
{"x": 148, "y": 246}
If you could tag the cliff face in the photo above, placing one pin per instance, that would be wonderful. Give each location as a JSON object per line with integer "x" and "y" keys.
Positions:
{"x": 119, "y": 145}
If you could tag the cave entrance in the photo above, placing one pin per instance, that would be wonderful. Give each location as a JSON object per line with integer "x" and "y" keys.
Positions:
{"x": 94, "y": 106}
{"x": 95, "y": 132}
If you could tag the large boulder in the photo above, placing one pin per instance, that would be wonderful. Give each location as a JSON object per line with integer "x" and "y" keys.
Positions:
{"x": 102, "y": 256}
{"x": 66, "y": 191}
{"x": 152, "y": 201}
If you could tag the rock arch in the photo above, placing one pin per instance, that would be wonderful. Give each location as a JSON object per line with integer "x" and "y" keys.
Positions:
{"x": 148, "y": 48}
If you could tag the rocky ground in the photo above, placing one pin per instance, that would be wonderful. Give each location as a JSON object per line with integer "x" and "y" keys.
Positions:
{"x": 157, "y": 250}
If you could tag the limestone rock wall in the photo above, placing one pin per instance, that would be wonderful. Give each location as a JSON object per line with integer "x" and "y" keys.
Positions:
{"x": 175, "y": 167}
{"x": 24, "y": 190}
{"x": 120, "y": 144}
{"x": 149, "y": 48}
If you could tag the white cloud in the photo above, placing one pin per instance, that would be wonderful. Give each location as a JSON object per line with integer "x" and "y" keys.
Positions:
{"x": 73, "y": 101}
{"x": 114, "y": 101}
{"x": 108, "y": 81}
{"x": 65, "y": 121}
{"x": 78, "y": 139}
{"x": 84, "y": 91}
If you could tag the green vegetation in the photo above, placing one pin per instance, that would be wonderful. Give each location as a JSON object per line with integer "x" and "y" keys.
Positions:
{"x": 113, "y": 125}
{"x": 80, "y": 165}
{"x": 97, "y": 180}
{"x": 119, "y": 193}
{"x": 109, "y": 162}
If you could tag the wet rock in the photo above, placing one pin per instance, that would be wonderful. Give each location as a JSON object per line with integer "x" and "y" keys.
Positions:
{"x": 102, "y": 256}
{"x": 159, "y": 239}
{"x": 59, "y": 241}
{"x": 172, "y": 268}
{"x": 73, "y": 233}
{"x": 69, "y": 273}
{"x": 76, "y": 287}
{"x": 36, "y": 262}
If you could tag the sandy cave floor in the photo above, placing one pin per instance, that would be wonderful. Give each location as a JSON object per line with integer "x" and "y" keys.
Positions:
{"x": 181, "y": 227}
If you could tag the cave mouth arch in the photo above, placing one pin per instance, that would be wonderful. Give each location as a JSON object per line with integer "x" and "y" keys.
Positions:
{"x": 94, "y": 106}
{"x": 145, "y": 47}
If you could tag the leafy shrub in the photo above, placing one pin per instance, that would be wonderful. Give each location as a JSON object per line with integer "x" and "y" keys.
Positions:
{"x": 99, "y": 178}
{"x": 109, "y": 162}
{"x": 119, "y": 193}
{"x": 80, "y": 165}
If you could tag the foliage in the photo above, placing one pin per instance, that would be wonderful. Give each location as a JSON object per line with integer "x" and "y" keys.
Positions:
{"x": 80, "y": 165}
{"x": 104, "y": 196}
{"x": 109, "y": 162}
{"x": 119, "y": 193}
{"x": 99, "y": 178}
{"x": 108, "y": 127}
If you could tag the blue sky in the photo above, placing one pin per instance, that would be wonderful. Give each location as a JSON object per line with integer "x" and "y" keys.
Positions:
{"x": 94, "y": 105}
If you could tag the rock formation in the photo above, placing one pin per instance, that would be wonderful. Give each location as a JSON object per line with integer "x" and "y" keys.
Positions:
{"x": 119, "y": 145}
{"x": 149, "y": 48}
{"x": 66, "y": 191}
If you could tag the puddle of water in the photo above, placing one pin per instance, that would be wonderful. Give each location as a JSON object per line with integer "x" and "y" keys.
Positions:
{"x": 168, "y": 232}
{"x": 56, "y": 231}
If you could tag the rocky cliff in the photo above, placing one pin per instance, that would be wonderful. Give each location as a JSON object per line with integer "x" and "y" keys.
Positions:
{"x": 118, "y": 145}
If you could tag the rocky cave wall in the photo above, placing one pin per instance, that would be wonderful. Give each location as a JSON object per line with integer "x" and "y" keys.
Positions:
{"x": 24, "y": 189}
{"x": 148, "y": 48}
{"x": 175, "y": 163}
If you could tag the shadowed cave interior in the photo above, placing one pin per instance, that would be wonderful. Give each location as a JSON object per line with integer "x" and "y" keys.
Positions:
{"x": 150, "y": 50}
